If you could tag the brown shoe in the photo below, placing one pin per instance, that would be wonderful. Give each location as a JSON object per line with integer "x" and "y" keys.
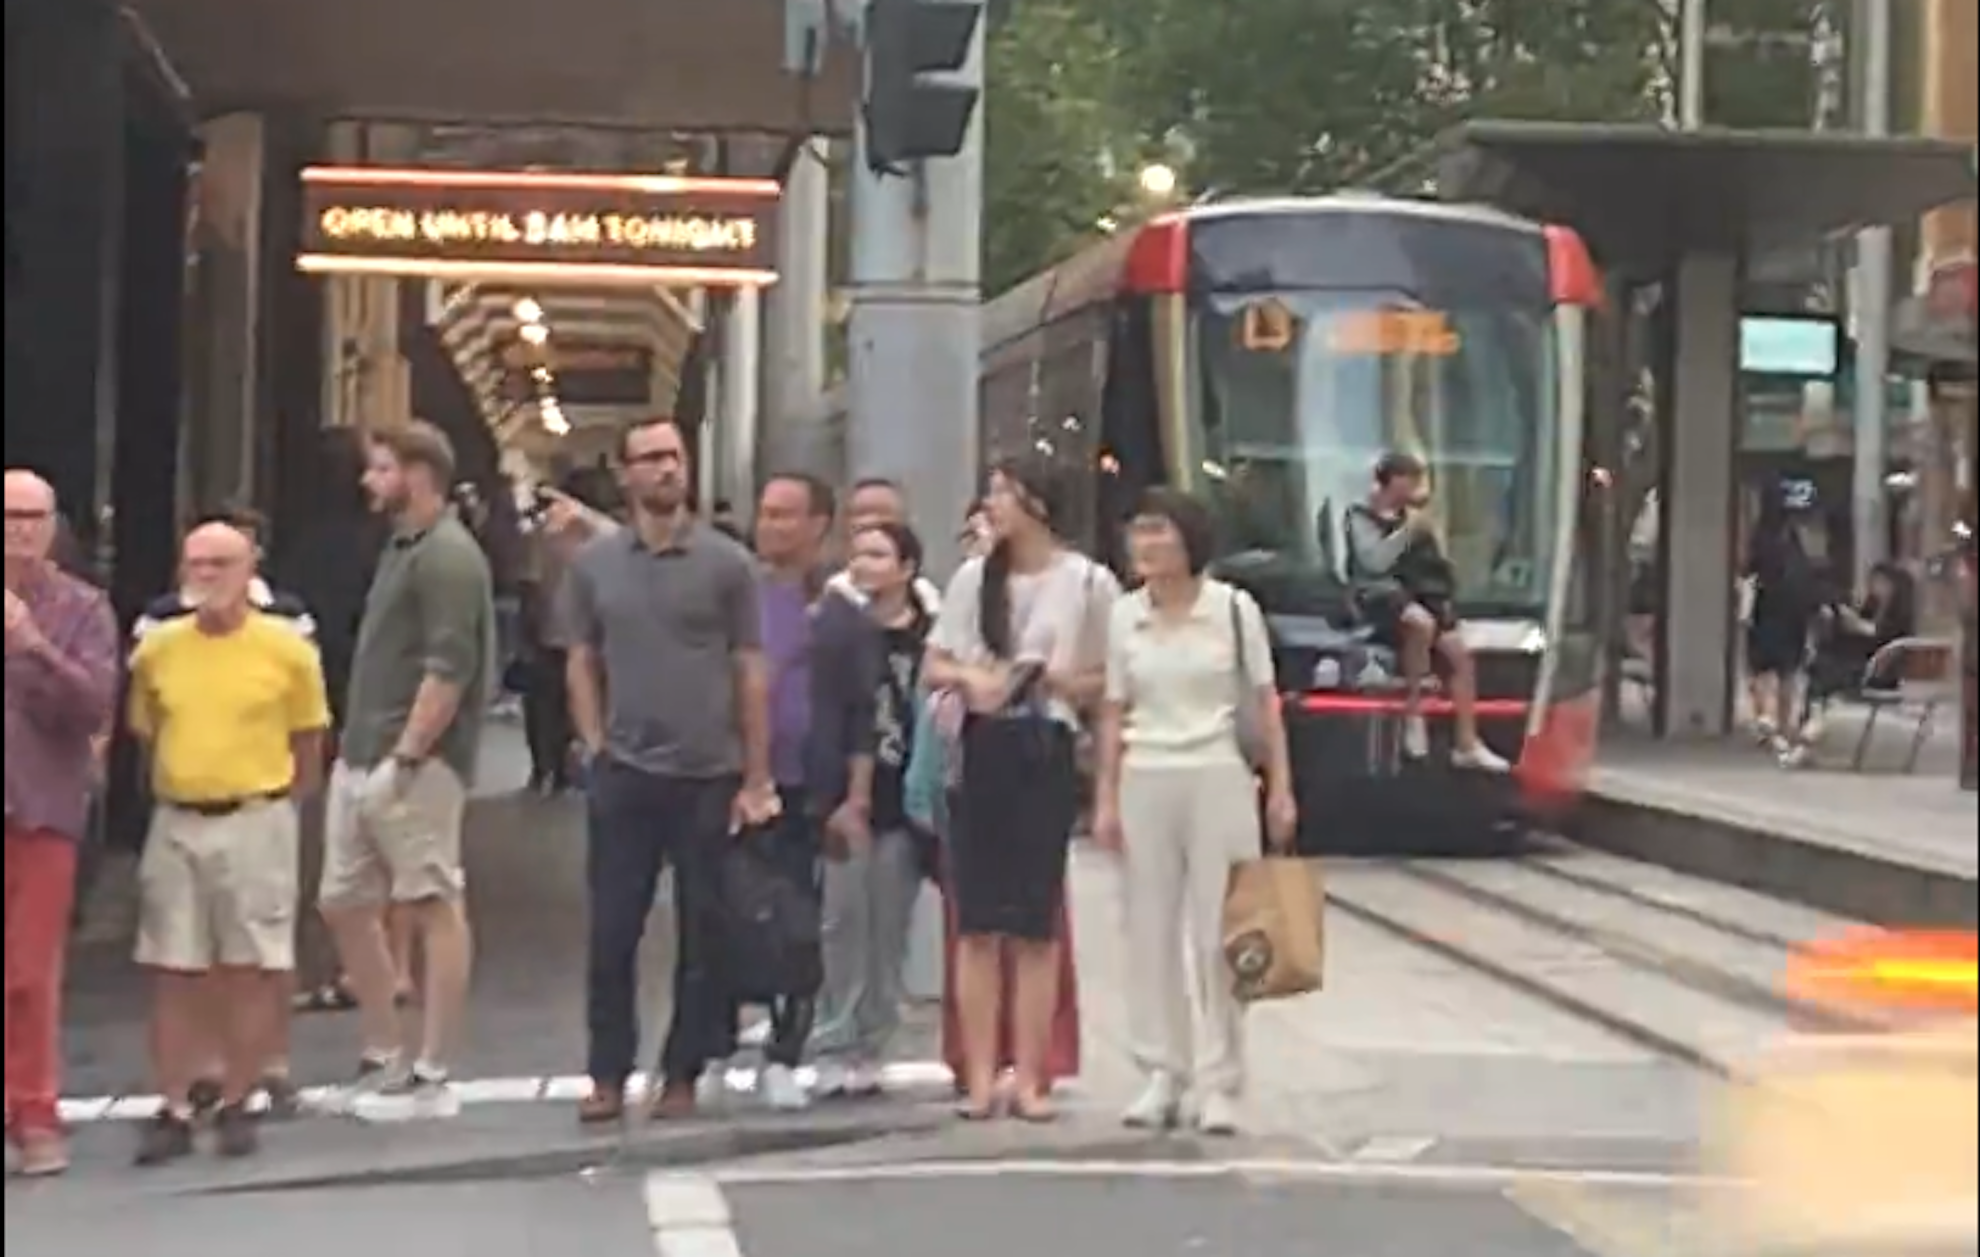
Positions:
{"x": 673, "y": 1102}
{"x": 44, "y": 1154}
{"x": 605, "y": 1105}
{"x": 234, "y": 1131}
{"x": 164, "y": 1139}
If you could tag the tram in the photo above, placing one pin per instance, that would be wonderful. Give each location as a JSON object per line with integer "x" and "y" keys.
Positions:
{"x": 1264, "y": 355}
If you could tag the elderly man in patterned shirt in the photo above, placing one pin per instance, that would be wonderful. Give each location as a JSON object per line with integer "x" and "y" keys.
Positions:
{"x": 62, "y": 657}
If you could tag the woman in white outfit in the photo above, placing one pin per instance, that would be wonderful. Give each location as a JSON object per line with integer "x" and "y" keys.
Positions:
{"x": 1191, "y": 722}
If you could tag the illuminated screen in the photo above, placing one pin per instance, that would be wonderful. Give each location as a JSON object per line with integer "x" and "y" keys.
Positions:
{"x": 578, "y": 228}
{"x": 1383, "y": 333}
{"x": 1787, "y": 346}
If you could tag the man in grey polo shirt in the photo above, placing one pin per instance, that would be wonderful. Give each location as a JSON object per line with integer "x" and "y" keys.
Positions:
{"x": 420, "y": 680}
{"x": 669, "y": 695}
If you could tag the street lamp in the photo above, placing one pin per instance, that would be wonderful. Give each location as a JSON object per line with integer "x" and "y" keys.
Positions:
{"x": 534, "y": 333}
{"x": 1158, "y": 181}
{"x": 529, "y": 310}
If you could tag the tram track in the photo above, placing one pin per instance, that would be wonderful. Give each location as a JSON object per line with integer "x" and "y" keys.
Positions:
{"x": 1674, "y": 974}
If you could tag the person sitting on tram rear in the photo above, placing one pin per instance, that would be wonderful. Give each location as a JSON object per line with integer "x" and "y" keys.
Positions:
{"x": 1403, "y": 587}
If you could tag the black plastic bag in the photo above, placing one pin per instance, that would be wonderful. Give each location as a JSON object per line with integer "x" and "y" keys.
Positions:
{"x": 770, "y": 928}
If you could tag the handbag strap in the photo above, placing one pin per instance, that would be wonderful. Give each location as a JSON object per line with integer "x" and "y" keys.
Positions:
{"x": 1243, "y": 670}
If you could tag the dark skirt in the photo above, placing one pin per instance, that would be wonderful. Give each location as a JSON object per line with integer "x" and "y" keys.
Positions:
{"x": 1011, "y": 826}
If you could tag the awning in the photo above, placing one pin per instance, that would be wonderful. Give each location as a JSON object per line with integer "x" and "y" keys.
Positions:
{"x": 707, "y": 65}
{"x": 1644, "y": 196}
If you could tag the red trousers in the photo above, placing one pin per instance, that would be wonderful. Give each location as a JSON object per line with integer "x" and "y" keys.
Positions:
{"x": 1062, "y": 1060}
{"x": 41, "y": 888}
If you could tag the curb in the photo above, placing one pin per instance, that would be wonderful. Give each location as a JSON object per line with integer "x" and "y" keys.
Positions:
{"x": 1856, "y": 884}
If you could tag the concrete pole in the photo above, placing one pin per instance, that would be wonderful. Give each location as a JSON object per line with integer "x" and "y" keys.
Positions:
{"x": 913, "y": 331}
{"x": 742, "y": 341}
{"x": 1872, "y": 312}
{"x": 1691, "y": 64}
{"x": 793, "y": 319}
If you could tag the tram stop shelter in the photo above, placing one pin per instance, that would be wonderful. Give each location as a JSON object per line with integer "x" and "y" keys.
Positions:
{"x": 1685, "y": 209}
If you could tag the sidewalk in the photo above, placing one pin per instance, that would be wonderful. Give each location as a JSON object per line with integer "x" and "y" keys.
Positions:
{"x": 525, "y": 863}
{"x": 1878, "y": 845}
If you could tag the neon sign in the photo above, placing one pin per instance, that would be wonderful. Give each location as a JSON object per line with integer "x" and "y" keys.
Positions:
{"x": 577, "y": 228}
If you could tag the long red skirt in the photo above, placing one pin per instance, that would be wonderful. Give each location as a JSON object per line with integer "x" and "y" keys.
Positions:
{"x": 1062, "y": 1061}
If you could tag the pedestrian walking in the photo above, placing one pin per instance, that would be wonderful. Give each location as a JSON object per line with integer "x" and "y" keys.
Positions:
{"x": 1022, "y": 643}
{"x": 670, "y": 700}
{"x": 872, "y": 868}
{"x": 230, "y": 704}
{"x": 1191, "y": 719}
{"x": 62, "y": 665}
{"x": 421, "y": 676}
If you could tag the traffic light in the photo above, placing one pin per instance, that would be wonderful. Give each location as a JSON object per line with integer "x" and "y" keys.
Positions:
{"x": 911, "y": 113}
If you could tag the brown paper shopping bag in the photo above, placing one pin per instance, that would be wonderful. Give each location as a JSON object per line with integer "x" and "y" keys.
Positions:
{"x": 1273, "y": 944}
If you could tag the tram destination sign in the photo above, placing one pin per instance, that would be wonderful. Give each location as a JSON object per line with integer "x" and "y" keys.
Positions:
{"x": 576, "y": 228}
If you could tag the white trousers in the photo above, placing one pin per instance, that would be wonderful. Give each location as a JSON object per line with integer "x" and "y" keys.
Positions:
{"x": 1183, "y": 829}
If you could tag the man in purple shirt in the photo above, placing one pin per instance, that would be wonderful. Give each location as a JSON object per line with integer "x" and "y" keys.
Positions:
{"x": 793, "y": 518}
{"x": 62, "y": 657}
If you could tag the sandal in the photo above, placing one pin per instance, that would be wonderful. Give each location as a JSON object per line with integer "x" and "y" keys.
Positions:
{"x": 1035, "y": 1110}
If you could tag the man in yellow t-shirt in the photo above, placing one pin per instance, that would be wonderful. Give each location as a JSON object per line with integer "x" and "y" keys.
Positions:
{"x": 230, "y": 704}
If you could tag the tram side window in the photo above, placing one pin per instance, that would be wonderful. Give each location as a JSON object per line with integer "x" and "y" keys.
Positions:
{"x": 1064, "y": 428}
{"x": 1131, "y": 434}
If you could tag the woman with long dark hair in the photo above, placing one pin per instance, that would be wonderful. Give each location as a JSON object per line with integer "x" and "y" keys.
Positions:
{"x": 1022, "y": 645}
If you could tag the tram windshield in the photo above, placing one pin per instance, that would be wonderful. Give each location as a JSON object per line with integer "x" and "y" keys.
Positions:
{"x": 1298, "y": 393}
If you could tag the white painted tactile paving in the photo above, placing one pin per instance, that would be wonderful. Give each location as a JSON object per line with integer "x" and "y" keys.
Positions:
{"x": 689, "y": 1216}
{"x": 475, "y": 1092}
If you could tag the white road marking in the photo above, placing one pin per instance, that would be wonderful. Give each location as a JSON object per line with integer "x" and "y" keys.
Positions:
{"x": 689, "y": 1216}
{"x": 702, "y": 1242}
{"x": 1494, "y": 1177}
{"x": 1393, "y": 1149}
{"x": 684, "y": 1200}
{"x": 474, "y": 1092}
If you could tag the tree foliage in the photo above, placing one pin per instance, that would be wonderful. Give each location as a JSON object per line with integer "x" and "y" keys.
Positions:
{"x": 1054, "y": 132}
{"x": 1303, "y": 96}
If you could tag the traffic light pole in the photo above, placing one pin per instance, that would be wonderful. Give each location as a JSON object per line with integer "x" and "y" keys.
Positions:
{"x": 916, "y": 242}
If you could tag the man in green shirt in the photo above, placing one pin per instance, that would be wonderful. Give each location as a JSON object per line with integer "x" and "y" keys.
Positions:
{"x": 420, "y": 682}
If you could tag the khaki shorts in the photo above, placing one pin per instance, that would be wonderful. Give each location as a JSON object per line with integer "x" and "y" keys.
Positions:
{"x": 219, "y": 891}
{"x": 399, "y": 850}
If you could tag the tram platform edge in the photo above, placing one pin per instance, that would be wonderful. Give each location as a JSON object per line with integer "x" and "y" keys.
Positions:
{"x": 1835, "y": 868}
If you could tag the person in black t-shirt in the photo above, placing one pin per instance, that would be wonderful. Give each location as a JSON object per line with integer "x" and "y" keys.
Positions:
{"x": 872, "y": 878}
{"x": 1405, "y": 588}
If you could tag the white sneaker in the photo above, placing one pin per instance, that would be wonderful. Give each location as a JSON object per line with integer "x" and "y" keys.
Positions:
{"x": 1217, "y": 1114}
{"x": 754, "y": 1035}
{"x": 1157, "y": 1107}
{"x": 863, "y": 1080}
{"x": 1480, "y": 758}
{"x": 831, "y": 1080}
{"x": 781, "y": 1089}
{"x": 1416, "y": 738}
